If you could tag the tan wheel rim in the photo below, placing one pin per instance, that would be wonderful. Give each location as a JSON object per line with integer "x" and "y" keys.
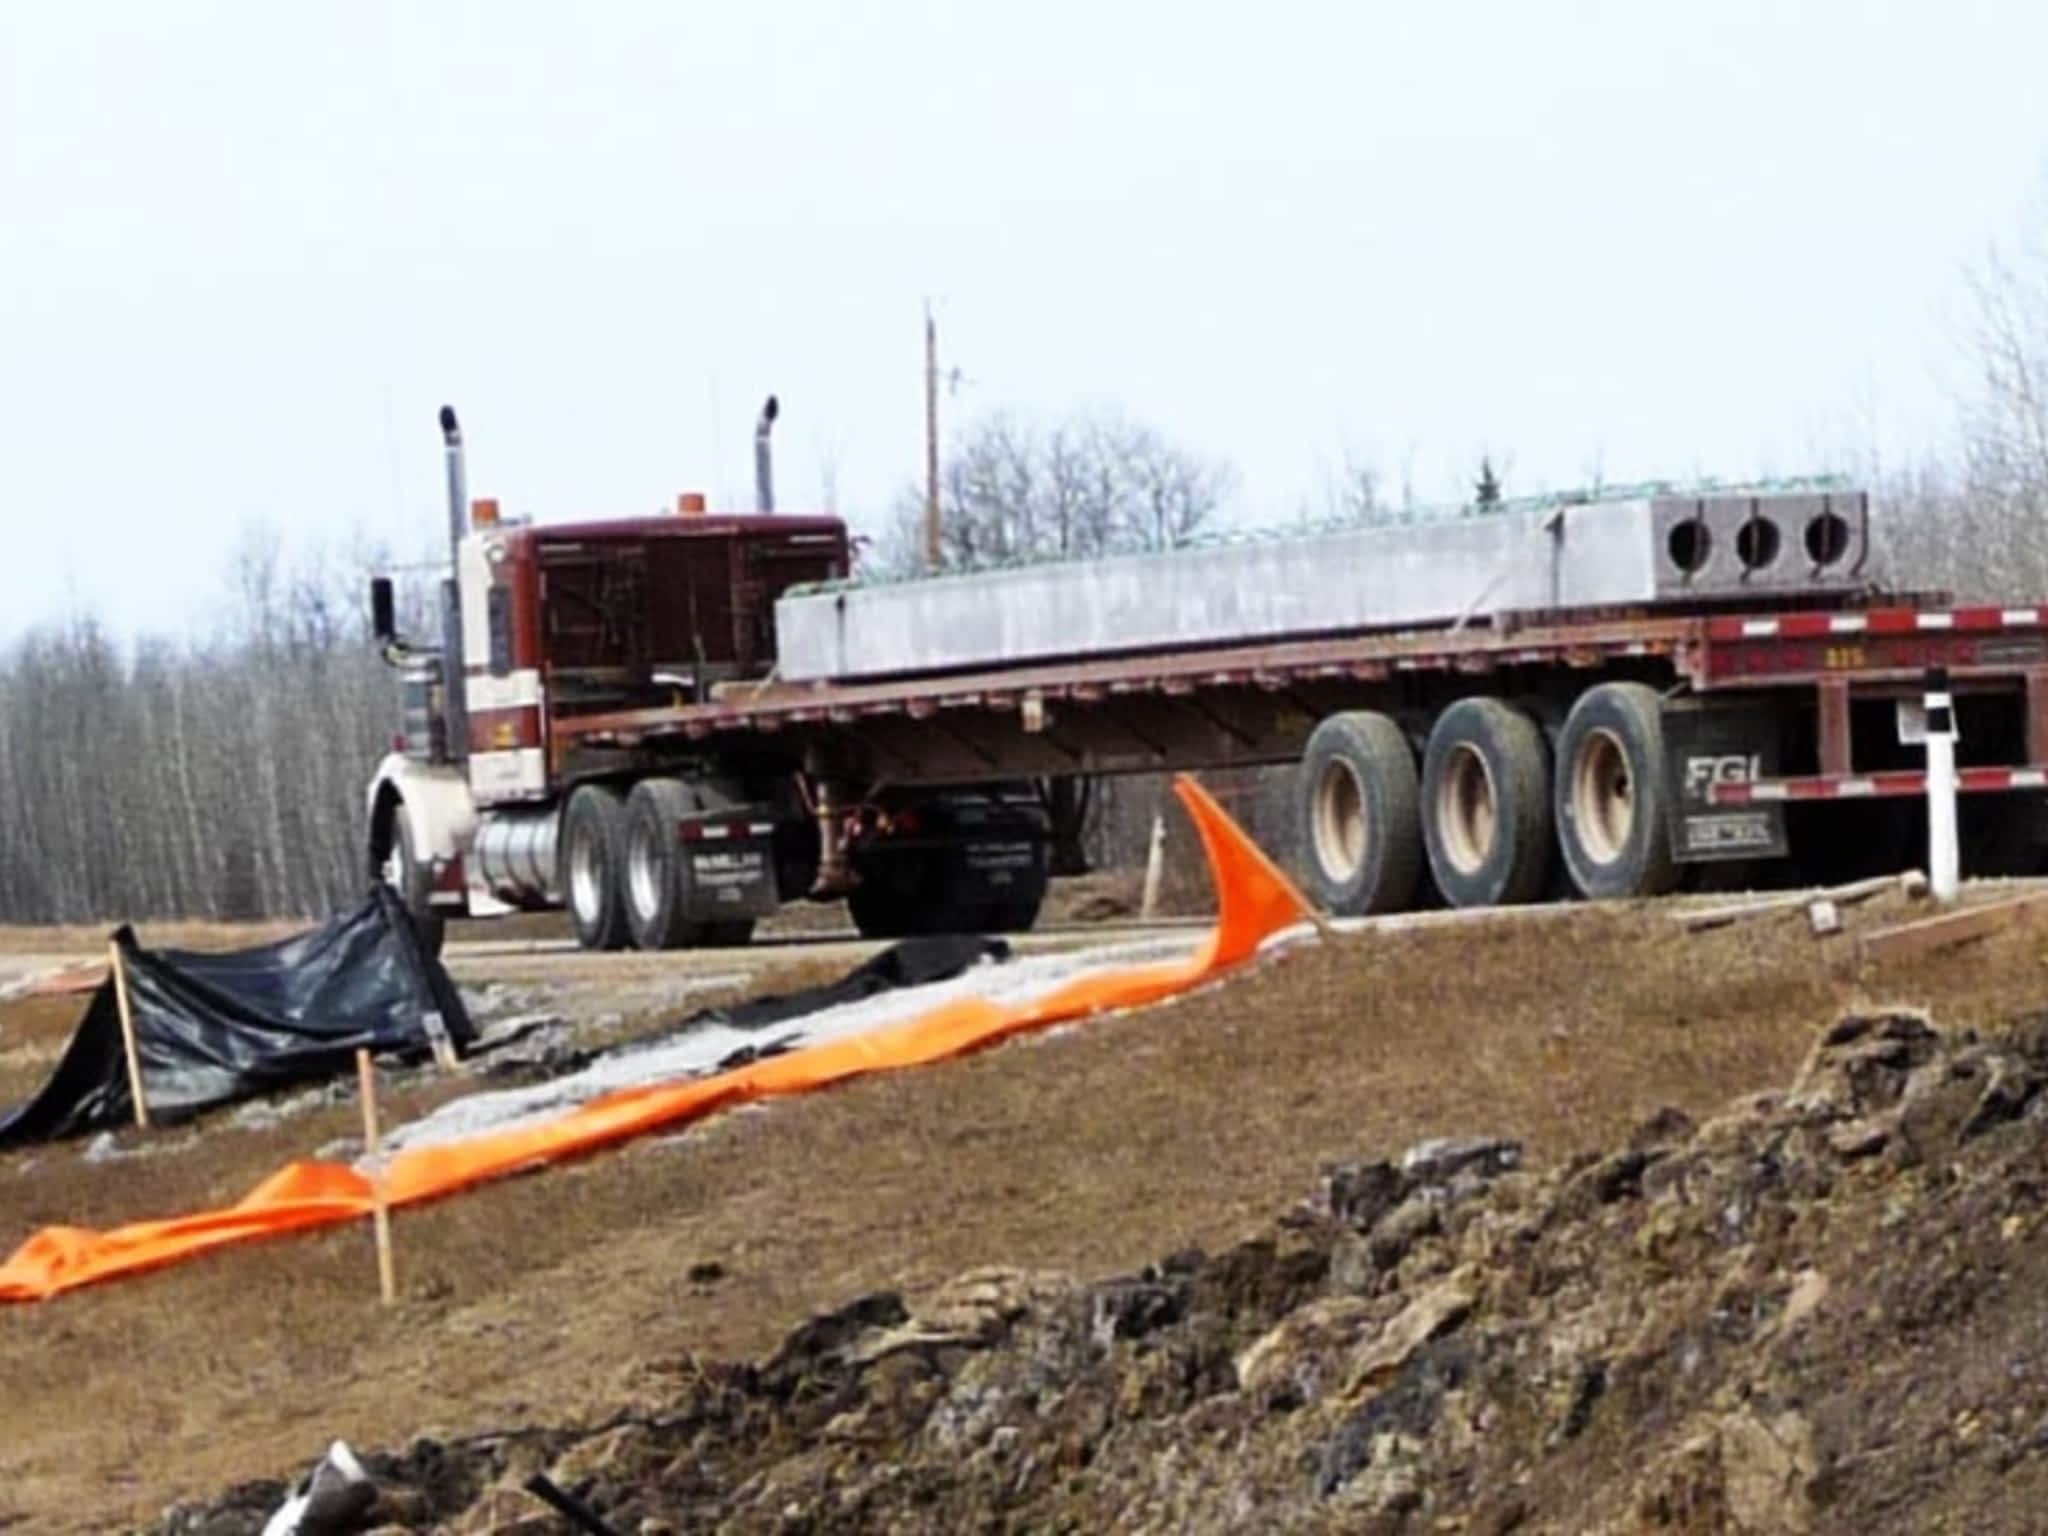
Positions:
{"x": 1603, "y": 797}
{"x": 1342, "y": 829}
{"x": 1467, "y": 809}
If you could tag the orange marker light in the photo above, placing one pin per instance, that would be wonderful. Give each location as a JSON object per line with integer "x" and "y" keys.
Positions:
{"x": 483, "y": 512}
{"x": 690, "y": 504}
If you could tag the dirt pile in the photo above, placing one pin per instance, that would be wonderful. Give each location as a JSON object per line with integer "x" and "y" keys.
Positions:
{"x": 1821, "y": 1309}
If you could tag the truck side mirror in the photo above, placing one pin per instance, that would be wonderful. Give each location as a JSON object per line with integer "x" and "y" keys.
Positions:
{"x": 383, "y": 610}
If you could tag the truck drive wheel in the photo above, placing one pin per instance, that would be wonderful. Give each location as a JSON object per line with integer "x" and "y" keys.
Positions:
{"x": 658, "y": 874}
{"x": 1486, "y": 816}
{"x": 1610, "y": 794}
{"x": 593, "y": 839}
{"x": 653, "y": 866}
{"x": 1357, "y": 799}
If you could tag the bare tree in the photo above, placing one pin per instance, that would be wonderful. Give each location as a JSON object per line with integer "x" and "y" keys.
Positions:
{"x": 1979, "y": 527}
{"x": 2005, "y": 414}
{"x": 1014, "y": 490}
{"x": 218, "y": 776}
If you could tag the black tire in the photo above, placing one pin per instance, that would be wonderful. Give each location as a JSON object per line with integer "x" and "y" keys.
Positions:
{"x": 589, "y": 866}
{"x": 1486, "y": 818}
{"x": 1017, "y": 915}
{"x": 652, "y": 868}
{"x": 1357, "y": 807}
{"x": 1610, "y": 798}
{"x": 891, "y": 896}
{"x": 414, "y": 879}
{"x": 656, "y": 874}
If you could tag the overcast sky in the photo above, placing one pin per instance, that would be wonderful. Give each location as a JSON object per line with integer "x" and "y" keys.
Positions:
{"x": 247, "y": 248}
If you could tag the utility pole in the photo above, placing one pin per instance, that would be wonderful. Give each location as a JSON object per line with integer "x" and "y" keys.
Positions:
{"x": 932, "y": 551}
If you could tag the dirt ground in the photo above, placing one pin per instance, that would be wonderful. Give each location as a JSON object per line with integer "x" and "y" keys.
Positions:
{"x": 1102, "y": 896}
{"x": 1091, "y": 1151}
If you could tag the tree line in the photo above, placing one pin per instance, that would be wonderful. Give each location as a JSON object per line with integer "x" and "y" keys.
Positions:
{"x": 219, "y": 777}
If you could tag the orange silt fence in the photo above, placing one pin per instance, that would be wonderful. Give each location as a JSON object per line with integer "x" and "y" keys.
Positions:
{"x": 1254, "y": 902}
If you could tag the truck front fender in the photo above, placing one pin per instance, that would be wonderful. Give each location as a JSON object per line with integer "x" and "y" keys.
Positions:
{"x": 434, "y": 799}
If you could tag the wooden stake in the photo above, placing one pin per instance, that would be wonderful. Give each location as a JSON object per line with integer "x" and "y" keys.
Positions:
{"x": 1945, "y": 929}
{"x": 1155, "y": 870}
{"x": 128, "y": 1046}
{"x": 1318, "y": 918}
{"x": 387, "y": 1277}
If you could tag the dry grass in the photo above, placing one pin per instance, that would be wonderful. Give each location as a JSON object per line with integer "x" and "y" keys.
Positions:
{"x": 1091, "y": 1150}
{"x": 92, "y": 939}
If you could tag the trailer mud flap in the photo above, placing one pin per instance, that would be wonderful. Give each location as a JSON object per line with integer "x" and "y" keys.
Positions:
{"x": 1705, "y": 747}
{"x": 729, "y": 880}
{"x": 993, "y": 869}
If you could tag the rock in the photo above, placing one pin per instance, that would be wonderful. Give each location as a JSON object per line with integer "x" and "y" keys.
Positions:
{"x": 1402, "y": 1228}
{"x": 1393, "y": 1425}
{"x": 618, "y": 1455}
{"x": 828, "y": 1338}
{"x": 1440, "y": 1308}
{"x": 1851, "y": 1139}
{"x": 403, "y": 1508}
{"x": 973, "y": 1311}
{"x": 1439, "y": 1159}
{"x": 1666, "y": 1128}
{"x": 507, "y": 1510}
{"x": 1769, "y": 1466}
{"x": 1358, "y": 1194}
{"x": 983, "y": 1301}
{"x": 1289, "y": 1364}
{"x": 1735, "y": 1472}
{"x": 2010, "y": 1087}
{"x": 1352, "y": 1266}
{"x": 1809, "y": 1290}
{"x": 1612, "y": 1178}
{"x": 1130, "y": 1309}
{"x": 1589, "y": 1385}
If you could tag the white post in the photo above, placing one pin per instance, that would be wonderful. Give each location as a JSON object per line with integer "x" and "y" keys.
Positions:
{"x": 1943, "y": 855}
{"x": 1155, "y": 870}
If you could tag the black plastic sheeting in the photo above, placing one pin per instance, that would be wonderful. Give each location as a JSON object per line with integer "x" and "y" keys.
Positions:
{"x": 912, "y": 963}
{"x": 213, "y": 1028}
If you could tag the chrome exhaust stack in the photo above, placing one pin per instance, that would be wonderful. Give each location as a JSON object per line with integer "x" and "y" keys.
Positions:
{"x": 764, "y": 459}
{"x": 453, "y": 673}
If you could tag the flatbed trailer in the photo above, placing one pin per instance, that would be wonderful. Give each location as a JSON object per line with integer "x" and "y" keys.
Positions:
{"x": 676, "y": 797}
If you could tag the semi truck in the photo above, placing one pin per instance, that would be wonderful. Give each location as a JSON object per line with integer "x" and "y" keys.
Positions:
{"x": 673, "y": 724}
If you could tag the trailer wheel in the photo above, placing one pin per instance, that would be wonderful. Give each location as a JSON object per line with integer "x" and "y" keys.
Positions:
{"x": 1019, "y": 914}
{"x": 891, "y": 896}
{"x": 1610, "y": 794}
{"x": 593, "y": 840}
{"x": 1358, "y": 805}
{"x": 1486, "y": 817}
